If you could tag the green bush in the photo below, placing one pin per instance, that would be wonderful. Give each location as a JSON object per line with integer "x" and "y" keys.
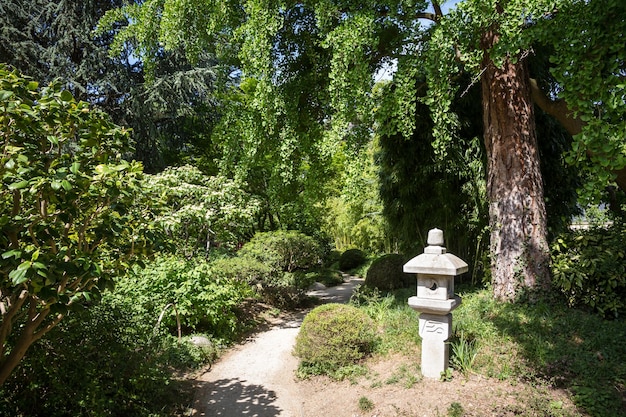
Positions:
{"x": 246, "y": 269}
{"x": 332, "y": 258}
{"x": 386, "y": 273}
{"x": 351, "y": 259}
{"x": 334, "y": 336}
{"x": 589, "y": 267}
{"x": 102, "y": 361}
{"x": 286, "y": 289}
{"x": 203, "y": 298}
{"x": 328, "y": 277}
{"x": 284, "y": 251}
{"x": 287, "y": 255}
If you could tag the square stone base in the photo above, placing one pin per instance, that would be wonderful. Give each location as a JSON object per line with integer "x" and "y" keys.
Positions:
{"x": 435, "y": 330}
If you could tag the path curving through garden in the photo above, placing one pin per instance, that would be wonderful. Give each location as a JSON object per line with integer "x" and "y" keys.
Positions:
{"x": 257, "y": 378}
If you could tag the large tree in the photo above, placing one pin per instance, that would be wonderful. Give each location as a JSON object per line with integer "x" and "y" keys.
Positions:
{"x": 493, "y": 40}
{"x": 341, "y": 44}
{"x": 171, "y": 113}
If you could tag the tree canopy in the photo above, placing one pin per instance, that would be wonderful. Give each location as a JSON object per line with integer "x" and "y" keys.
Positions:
{"x": 306, "y": 72}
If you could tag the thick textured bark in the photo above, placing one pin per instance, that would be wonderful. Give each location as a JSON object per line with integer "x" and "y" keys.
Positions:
{"x": 517, "y": 214}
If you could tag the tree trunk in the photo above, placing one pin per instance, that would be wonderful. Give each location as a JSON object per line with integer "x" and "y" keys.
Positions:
{"x": 517, "y": 214}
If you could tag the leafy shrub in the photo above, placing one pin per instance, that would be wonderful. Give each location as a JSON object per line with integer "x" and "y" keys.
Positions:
{"x": 328, "y": 277}
{"x": 351, "y": 259}
{"x": 68, "y": 219}
{"x": 287, "y": 255}
{"x": 103, "y": 361}
{"x": 246, "y": 269}
{"x": 286, "y": 289}
{"x": 284, "y": 251}
{"x": 386, "y": 273}
{"x": 334, "y": 336}
{"x": 332, "y": 257}
{"x": 197, "y": 210}
{"x": 201, "y": 297}
{"x": 589, "y": 267}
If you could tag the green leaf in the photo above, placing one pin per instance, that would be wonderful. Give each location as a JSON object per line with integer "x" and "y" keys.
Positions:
{"x": 10, "y": 164}
{"x": 66, "y": 96}
{"x": 4, "y": 95}
{"x": 15, "y": 253}
{"x": 18, "y": 185}
{"x": 75, "y": 167}
{"x": 19, "y": 275}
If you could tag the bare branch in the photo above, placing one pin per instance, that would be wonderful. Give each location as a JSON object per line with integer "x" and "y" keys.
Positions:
{"x": 437, "y": 8}
{"x": 10, "y": 308}
{"x": 428, "y": 16}
{"x": 556, "y": 108}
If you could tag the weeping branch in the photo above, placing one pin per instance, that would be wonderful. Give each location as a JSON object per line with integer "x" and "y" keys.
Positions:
{"x": 571, "y": 123}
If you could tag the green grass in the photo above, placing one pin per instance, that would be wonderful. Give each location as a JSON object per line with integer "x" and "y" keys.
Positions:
{"x": 407, "y": 375}
{"x": 365, "y": 404}
{"x": 542, "y": 344}
{"x": 548, "y": 343}
{"x": 463, "y": 354}
{"x": 397, "y": 322}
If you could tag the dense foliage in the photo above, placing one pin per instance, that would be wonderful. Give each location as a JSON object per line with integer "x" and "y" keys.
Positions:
{"x": 354, "y": 216}
{"x": 106, "y": 360}
{"x": 197, "y": 211}
{"x": 289, "y": 255}
{"x": 171, "y": 110}
{"x": 589, "y": 268}
{"x": 70, "y": 218}
{"x": 419, "y": 189}
{"x": 172, "y": 289}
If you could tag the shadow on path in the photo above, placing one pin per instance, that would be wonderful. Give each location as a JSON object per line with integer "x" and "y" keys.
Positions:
{"x": 235, "y": 397}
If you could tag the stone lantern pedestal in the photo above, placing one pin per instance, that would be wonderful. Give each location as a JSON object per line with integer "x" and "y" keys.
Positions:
{"x": 435, "y": 301}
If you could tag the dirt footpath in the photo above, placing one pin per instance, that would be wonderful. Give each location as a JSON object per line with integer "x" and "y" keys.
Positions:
{"x": 257, "y": 378}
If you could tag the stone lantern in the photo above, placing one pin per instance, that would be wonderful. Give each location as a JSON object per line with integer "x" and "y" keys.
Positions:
{"x": 435, "y": 300}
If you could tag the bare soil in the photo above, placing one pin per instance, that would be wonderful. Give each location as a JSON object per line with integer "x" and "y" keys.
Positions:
{"x": 258, "y": 378}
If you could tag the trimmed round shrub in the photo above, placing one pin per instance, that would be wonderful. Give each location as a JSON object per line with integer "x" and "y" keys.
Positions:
{"x": 333, "y": 336}
{"x": 282, "y": 250}
{"x": 247, "y": 269}
{"x": 386, "y": 273}
{"x": 288, "y": 257}
{"x": 351, "y": 259}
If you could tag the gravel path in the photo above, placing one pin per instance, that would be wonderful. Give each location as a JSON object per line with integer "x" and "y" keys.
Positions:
{"x": 257, "y": 378}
